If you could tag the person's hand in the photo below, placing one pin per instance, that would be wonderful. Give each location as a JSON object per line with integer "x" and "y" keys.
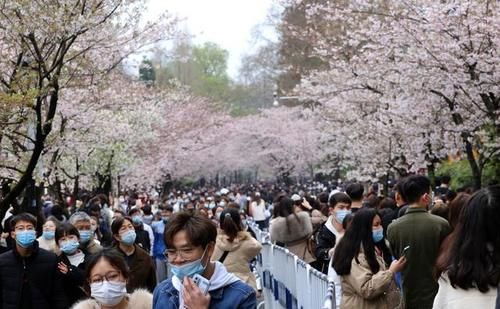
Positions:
{"x": 398, "y": 265}
{"x": 331, "y": 252}
{"x": 193, "y": 297}
{"x": 62, "y": 268}
{"x": 306, "y": 204}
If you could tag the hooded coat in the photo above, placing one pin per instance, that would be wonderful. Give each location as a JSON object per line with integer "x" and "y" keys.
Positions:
{"x": 241, "y": 251}
{"x": 294, "y": 233}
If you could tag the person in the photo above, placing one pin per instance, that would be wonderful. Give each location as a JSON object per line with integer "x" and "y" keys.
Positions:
{"x": 471, "y": 273}
{"x": 94, "y": 227}
{"x": 292, "y": 230}
{"x": 142, "y": 272}
{"x": 106, "y": 277}
{"x": 257, "y": 211}
{"x": 358, "y": 259}
{"x": 159, "y": 244}
{"x": 46, "y": 241}
{"x": 388, "y": 210}
{"x": 355, "y": 192}
{"x": 190, "y": 239}
{"x": 400, "y": 198}
{"x": 332, "y": 230}
{"x": 28, "y": 274}
{"x": 145, "y": 235}
{"x": 82, "y": 222}
{"x": 235, "y": 248}
{"x": 71, "y": 262}
{"x": 423, "y": 233}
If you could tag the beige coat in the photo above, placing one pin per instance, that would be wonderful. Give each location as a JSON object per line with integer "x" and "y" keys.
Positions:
{"x": 295, "y": 235}
{"x": 241, "y": 251}
{"x": 140, "y": 299}
{"x": 362, "y": 289}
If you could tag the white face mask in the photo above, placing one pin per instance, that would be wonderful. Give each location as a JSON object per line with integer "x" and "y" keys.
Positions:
{"x": 108, "y": 293}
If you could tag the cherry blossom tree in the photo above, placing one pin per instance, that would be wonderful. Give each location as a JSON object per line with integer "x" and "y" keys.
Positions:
{"x": 47, "y": 47}
{"x": 422, "y": 74}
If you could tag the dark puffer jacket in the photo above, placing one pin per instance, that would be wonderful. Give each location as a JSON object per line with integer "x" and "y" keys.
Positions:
{"x": 325, "y": 240}
{"x": 41, "y": 278}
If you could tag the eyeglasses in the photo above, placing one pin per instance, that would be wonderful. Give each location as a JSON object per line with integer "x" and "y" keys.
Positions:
{"x": 110, "y": 276}
{"x": 185, "y": 254}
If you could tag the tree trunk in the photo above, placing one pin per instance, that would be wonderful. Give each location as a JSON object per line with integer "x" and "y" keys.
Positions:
{"x": 476, "y": 171}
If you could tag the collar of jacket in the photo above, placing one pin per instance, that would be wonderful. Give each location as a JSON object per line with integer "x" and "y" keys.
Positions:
{"x": 415, "y": 209}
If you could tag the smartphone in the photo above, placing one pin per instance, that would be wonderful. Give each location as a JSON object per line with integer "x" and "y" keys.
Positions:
{"x": 405, "y": 250}
{"x": 202, "y": 283}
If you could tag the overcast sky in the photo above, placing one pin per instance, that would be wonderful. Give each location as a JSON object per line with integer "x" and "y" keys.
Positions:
{"x": 228, "y": 23}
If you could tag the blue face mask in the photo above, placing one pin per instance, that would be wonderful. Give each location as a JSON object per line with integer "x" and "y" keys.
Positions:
{"x": 69, "y": 247}
{"x": 341, "y": 214}
{"x": 378, "y": 235}
{"x": 137, "y": 220}
{"x": 189, "y": 269}
{"x": 25, "y": 239}
{"x": 128, "y": 238}
{"x": 48, "y": 235}
{"x": 85, "y": 236}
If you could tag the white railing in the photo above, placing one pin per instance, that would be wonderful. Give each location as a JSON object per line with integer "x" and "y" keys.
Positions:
{"x": 289, "y": 282}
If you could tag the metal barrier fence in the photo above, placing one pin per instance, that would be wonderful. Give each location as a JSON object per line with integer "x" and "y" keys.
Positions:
{"x": 289, "y": 282}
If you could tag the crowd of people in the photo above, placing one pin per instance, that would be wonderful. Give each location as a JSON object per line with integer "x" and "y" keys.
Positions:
{"x": 416, "y": 247}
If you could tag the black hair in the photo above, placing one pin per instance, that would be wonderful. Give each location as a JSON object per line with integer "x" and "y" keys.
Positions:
{"x": 113, "y": 257}
{"x": 117, "y": 224}
{"x": 147, "y": 210}
{"x": 355, "y": 191}
{"x": 414, "y": 187}
{"x": 200, "y": 230}
{"x": 445, "y": 179}
{"x": 474, "y": 260}
{"x": 347, "y": 221}
{"x": 66, "y": 229}
{"x": 323, "y": 197}
{"x": 230, "y": 222}
{"x": 398, "y": 187}
{"x": 132, "y": 211}
{"x": 286, "y": 208}
{"x": 358, "y": 235}
{"x": 339, "y": 197}
{"x": 27, "y": 217}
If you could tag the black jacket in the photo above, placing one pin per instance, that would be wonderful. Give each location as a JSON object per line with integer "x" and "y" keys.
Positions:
{"x": 74, "y": 280}
{"x": 32, "y": 282}
{"x": 325, "y": 240}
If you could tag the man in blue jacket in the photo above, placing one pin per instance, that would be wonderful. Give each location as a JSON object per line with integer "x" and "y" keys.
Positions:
{"x": 190, "y": 239}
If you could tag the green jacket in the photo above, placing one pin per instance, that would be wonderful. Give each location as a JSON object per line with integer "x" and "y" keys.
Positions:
{"x": 423, "y": 232}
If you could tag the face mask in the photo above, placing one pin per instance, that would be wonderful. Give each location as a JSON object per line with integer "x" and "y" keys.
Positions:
{"x": 108, "y": 293}
{"x": 378, "y": 235}
{"x": 25, "y": 239}
{"x": 222, "y": 204}
{"x": 341, "y": 214}
{"x": 85, "y": 236}
{"x": 211, "y": 205}
{"x": 189, "y": 269}
{"x": 48, "y": 235}
{"x": 137, "y": 220}
{"x": 165, "y": 219}
{"x": 128, "y": 238}
{"x": 69, "y": 246}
